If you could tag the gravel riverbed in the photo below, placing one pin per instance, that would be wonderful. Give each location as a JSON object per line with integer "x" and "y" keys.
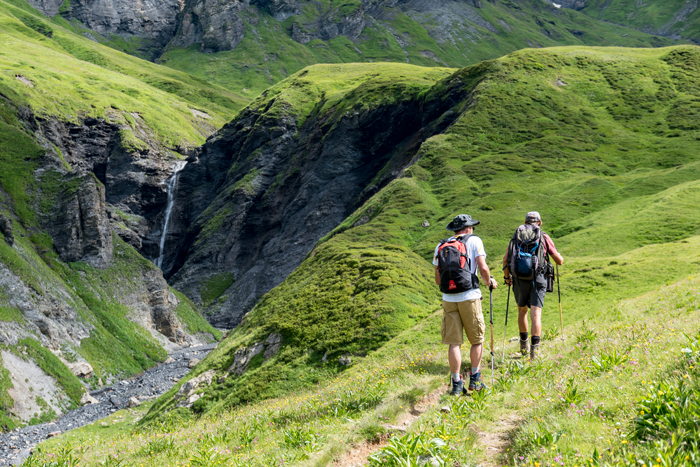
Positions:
{"x": 16, "y": 446}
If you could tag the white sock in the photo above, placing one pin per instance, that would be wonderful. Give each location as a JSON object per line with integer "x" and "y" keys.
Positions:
{"x": 475, "y": 370}
{"x": 456, "y": 377}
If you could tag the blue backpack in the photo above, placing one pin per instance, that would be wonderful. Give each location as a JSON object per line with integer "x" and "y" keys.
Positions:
{"x": 527, "y": 256}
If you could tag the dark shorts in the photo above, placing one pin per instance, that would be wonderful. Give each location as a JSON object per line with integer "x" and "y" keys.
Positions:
{"x": 526, "y": 294}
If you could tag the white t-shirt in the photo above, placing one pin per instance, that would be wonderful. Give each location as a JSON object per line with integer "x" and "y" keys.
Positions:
{"x": 475, "y": 247}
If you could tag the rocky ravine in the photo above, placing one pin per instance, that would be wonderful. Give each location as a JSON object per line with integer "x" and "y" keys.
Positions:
{"x": 17, "y": 445}
{"x": 254, "y": 200}
{"x": 134, "y": 188}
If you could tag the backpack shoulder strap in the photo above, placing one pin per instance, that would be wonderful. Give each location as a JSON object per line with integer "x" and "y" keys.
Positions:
{"x": 465, "y": 238}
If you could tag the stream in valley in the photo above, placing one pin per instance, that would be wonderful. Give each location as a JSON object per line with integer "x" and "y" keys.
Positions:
{"x": 17, "y": 445}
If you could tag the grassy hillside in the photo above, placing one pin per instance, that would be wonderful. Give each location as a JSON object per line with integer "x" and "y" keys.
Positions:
{"x": 388, "y": 409}
{"x": 55, "y": 313}
{"x": 668, "y": 17}
{"x": 598, "y": 140}
{"x": 58, "y": 73}
{"x": 268, "y": 54}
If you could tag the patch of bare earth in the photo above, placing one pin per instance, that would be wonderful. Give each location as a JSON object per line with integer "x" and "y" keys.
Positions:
{"x": 25, "y": 80}
{"x": 358, "y": 453}
{"x": 497, "y": 440}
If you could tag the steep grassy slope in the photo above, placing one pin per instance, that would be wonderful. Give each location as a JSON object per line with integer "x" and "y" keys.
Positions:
{"x": 441, "y": 34}
{"x": 122, "y": 317}
{"x": 58, "y": 73}
{"x": 295, "y": 158}
{"x": 600, "y": 141}
{"x": 671, "y": 18}
{"x": 388, "y": 406}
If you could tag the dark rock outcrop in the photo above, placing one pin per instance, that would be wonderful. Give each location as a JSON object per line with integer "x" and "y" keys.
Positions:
{"x": 152, "y": 22}
{"x": 162, "y": 303}
{"x": 6, "y": 229}
{"x": 214, "y": 24}
{"x": 280, "y": 9}
{"x": 255, "y": 199}
{"x": 134, "y": 179}
{"x": 331, "y": 25}
{"x": 79, "y": 225}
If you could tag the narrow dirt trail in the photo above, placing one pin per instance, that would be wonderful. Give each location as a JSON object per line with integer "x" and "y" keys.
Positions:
{"x": 358, "y": 453}
{"x": 497, "y": 440}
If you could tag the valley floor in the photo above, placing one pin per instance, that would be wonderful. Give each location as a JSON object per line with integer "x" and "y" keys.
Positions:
{"x": 586, "y": 401}
{"x": 17, "y": 445}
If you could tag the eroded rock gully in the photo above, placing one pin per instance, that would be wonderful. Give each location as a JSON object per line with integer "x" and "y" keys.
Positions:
{"x": 89, "y": 187}
{"x": 254, "y": 200}
{"x": 134, "y": 193}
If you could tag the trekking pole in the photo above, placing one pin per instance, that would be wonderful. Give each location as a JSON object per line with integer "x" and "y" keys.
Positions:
{"x": 505, "y": 329}
{"x": 561, "y": 319}
{"x": 491, "y": 302}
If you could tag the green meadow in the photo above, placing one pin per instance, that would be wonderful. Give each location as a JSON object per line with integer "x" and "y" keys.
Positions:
{"x": 591, "y": 138}
{"x": 267, "y": 54}
{"x": 391, "y": 407}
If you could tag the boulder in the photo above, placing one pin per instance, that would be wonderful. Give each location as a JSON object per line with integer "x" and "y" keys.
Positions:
{"x": 88, "y": 399}
{"x": 203, "y": 380}
{"x": 81, "y": 369}
{"x": 243, "y": 356}
{"x": 193, "y": 362}
{"x": 133, "y": 402}
{"x": 187, "y": 403}
{"x": 6, "y": 229}
{"x": 272, "y": 345}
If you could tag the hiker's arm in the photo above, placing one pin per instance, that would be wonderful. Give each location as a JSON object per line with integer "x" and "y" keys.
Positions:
{"x": 552, "y": 251}
{"x": 437, "y": 276}
{"x": 506, "y": 270}
{"x": 559, "y": 259}
{"x": 484, "y": 271}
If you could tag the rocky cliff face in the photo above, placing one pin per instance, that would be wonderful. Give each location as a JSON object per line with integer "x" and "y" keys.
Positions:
{"x": 151, "y": 22}
{"x": 213, "y": 24}
{"x": 219, "y": 26}
{"x": 78, "y": 222}
{"x": 72, "y": 205}
{"x": 134, "y": 178}
{"x": 254, "y": 200}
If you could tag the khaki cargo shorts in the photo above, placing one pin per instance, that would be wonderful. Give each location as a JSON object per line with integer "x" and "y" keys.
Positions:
{"x": 465, "y": 315}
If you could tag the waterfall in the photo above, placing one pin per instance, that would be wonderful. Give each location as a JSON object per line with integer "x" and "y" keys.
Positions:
{"x": 172, "y": 189}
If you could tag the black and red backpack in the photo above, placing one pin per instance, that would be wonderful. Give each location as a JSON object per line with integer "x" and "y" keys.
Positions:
{"x": 454, "y": 266}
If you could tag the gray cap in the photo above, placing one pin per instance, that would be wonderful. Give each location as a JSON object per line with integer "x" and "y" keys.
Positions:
{"x": 533, "y": 216}
{"x": 460, "y": 222}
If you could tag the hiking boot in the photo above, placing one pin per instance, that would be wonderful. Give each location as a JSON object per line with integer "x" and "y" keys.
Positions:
{"x": 524, "y": 347}
{"x": 475, "y": 383}
{"x": 534, "y": 351}
{"x": 457, "y": 387}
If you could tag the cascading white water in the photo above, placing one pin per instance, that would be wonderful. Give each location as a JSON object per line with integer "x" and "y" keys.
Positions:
{"x": 172, "y": 189}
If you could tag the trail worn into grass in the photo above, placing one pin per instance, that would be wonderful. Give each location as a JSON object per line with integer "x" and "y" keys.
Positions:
{"x": 497, "y": 439}
{"x": 358, "y": 454}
